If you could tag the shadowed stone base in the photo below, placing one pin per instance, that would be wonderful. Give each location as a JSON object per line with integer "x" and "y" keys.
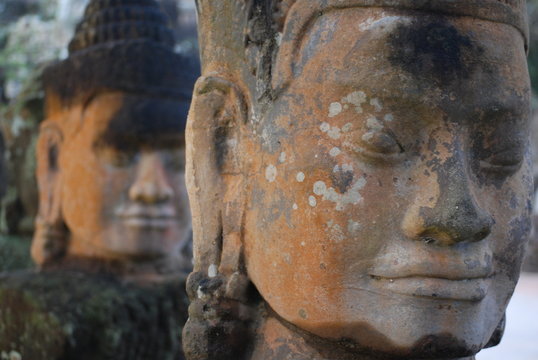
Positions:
{"x": 72, "y": 315}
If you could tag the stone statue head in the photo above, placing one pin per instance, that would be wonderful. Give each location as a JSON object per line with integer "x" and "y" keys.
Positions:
{"x": 360, "y": 168}
{"x": 111, "y": 151}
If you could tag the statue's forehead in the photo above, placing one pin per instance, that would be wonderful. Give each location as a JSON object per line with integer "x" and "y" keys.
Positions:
{"x": 380, "y": 29}
{"x": 394, "y": 47}
{"x": 360, "y": 28}
{"x": 142, "y": 121}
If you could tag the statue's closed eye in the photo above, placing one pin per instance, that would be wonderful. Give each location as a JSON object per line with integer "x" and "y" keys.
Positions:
{"x": 117, "y": 158}
{"x": 379, "y": 145}
{"x": 506, "y": 161}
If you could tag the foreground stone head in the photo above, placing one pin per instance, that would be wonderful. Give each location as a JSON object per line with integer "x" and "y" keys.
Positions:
{"x": 364, "y": 164}
{"x": 111, "y": 151}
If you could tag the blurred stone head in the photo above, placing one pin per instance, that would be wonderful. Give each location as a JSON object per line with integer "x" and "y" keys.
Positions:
{"x": 111, "y": 151}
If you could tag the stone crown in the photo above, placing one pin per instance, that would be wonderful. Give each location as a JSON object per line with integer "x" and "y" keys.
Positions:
{"x": 122, "y": 45}
{"x": 119, "y": 20}
{"x": 511, "y": 12}
{"x": 299, "y": 14}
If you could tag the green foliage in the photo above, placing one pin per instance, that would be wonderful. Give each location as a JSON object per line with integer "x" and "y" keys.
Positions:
{"x": 14, "y": 253}
{"x": 41, "y": 335}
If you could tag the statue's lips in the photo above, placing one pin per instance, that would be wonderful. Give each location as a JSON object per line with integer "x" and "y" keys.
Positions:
{"x": 454, "y": 275}
{"x": 149, "y": 217}
{"x": 436, "y": 287}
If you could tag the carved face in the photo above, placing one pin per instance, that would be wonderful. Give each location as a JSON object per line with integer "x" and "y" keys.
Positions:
{"x": 123, "y": 189}
{"x": 391, "y": 204}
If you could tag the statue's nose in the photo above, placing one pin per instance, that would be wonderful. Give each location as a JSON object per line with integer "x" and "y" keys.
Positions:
{"x": 151, "y": 184}
{"x": 446, "y": 212}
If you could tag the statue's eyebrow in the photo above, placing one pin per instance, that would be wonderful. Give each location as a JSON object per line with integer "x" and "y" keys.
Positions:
{"x": 136, "y": 141}
{"x": 146, "y": 123}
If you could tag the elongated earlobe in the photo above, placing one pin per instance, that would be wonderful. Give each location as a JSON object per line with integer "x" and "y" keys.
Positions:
{"x": 213, "y": 147}
{"x": 50, "y": 237}
{"x": 220, "y": 310}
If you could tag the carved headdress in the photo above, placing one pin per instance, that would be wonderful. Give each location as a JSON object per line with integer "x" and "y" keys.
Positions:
{"x": 122, "y": 45}
{"x": 269, "y": 29}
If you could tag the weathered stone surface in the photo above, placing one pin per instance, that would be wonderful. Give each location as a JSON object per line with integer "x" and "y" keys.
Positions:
{"x": 71, "y": 315}
{"x": 359, "y": 178}
{"x": 113, "y": 187}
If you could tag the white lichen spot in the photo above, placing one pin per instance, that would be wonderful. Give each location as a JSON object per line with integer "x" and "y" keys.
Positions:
{"x": 353, "y": 227}
{"x": 334, "y": 133}
{"x": 278, "y": 38}
{"x": 266, "y": 136}
{"x": 295, "y": 207}
{"x": 303, "y": 244}
{"x": 319, "y": 188}
{"x": 335, "y": 232}
{"x": 282, "y": 157}
{"x": 287, "y": 258}
{"x": 335, "y": 109}
{"x": 212, "y": 271}
{"x": 336, "y": 169}
{"x": 201, "y": 295}
{"x": 324, "y": 127}
{"x": 346, "y": 106}
{"x": 231, "y": 143}
{"x": 335, "y": 152}
{"x": 347, "y": 127}
{"x": 255, "y": 118}
{"x": 386, "y": 23}
{"x": 351, "y": 196}
{"x": 270, "y": 173}
{"x": 376, "y": 104}
{"x": 300, "y": 177}
{"x": 388, "y": 117}
{"x": 356, "y": 98}
{"x": 368, "y": 136}
{"x": 373, "y": 123}
{"x": 347, "y": 167}
{"x": 312, "y": 201}
{"x": 364, "y": 25}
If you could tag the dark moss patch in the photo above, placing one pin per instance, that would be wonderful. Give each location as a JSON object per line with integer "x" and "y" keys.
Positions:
{"x": 431, "y": 47}
{"x": 71, "y": 315}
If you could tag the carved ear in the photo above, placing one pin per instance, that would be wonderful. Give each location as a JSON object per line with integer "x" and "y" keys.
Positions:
{"x": 219, "y": 314}
{"x": 50, "y": 236}
{"x": 216, "y": 118}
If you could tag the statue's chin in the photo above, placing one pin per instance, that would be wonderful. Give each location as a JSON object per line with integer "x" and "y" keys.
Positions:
{"x": 139, "y": 243}
{"x": 364, "y": 338}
